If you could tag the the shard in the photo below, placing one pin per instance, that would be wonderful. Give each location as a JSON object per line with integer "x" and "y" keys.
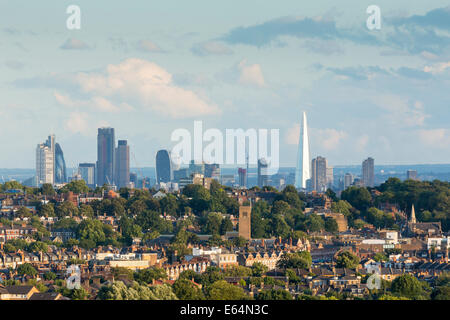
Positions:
{"x": 303, "y": 172}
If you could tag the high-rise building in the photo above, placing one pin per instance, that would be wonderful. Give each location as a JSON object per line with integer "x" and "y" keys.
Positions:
{"x": 163, "y": 167}
{"x": 105, "y": 156}
{"x": 60, "y": 165}
{"x": 368, "y": 172}
{"x": 348, "y": 180}
{"x": 330, "y": 177}
{"x": 319, "y": 174}
{"x": 263, "y": 173}
{"x": 212, "y": 171}
{"x": 87, "y": 173}
{"x": 196, "y": 167}
{"x": 411, "y": 175}
{"x": 303, "y": 171}
{"x": 122, "y": 164}
{"x": 242, "y": 177}
{"x": 45, "y": 161}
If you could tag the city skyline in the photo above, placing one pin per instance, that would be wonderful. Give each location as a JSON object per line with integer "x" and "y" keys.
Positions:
{"x": 218, "y": 70}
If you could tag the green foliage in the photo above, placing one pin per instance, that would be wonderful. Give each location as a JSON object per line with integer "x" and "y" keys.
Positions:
{"x": 278, "y": 294}
{"x": 222, "y": 290}
{"x": 408, "y": 286}
{"x": 259, "y": 269}
{"x": 26, "y": 269}
{"x": 150, "y": 274}
{"x": 49, "y": 276}
{"x": 300, "y": 260}
{"x": 185, "y": 290}
{"x": 119, "y": 291}
{"x": 346, "y": 259}
{"x": 359, "y": 198}
{"x": 77, "y": 187}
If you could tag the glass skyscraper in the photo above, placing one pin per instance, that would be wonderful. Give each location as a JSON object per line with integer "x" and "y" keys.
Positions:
{"x": 163, "y": 167}
{"x": 122, "y": 173}
{"x": 105, "y": 156}
{"x": 60, "y": 165}
{"x": 303, "y": 171}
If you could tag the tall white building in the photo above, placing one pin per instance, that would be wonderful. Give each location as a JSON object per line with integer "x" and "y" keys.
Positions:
{"x": 303, "y": 170}
{"x": 45, "y": 161}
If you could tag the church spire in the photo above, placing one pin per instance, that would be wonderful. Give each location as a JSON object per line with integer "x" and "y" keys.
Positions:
{"x": 412, "y": 218}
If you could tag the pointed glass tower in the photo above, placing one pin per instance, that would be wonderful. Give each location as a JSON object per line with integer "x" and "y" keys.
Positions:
{"x": 303, "y": 172}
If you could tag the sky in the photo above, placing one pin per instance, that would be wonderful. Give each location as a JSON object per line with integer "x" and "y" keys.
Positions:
{"x": 148, "y": 68}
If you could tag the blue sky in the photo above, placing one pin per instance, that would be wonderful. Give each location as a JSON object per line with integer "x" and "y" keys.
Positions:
{"x": 147, "y": 68}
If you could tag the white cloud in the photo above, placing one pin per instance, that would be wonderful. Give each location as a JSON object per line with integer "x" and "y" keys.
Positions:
{"x": 251, "y": 74}
{"x": 211, "y": 48}
{"x": 329, "y": 139}
{"x": 142, "y": 84}
{"x": 439, "y": 138}
{"x": 149, "y": 46}
{"x": 293, "y": 134}
{"x": 97, "y": 103}
{"x": 77, "y": 123}
{"x": 437, "y": 68}
{"x": 74, "y": 44}
{"x": 400, "y": 111}
{"x": 361, "y": 142}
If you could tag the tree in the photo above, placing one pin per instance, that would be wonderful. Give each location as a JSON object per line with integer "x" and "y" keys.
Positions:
{"x": 47, "y": 189}
{"x": 150, "y": 274}
{"x": 296, "y": 260}
{"x": 91, "y": 230}
{"x": 226, "y": 225}
{"x": 37, "y": 246}
{"x": 76, "y": 186}
{"x": 49, "y": 276}
{"x": 222, "y": 290}
{"x": 259, "y": 269}
{"x": 212, "y": 223}
{"x": 346, "y": 259}
{"x": 274, "y": 294}
{"x": 46, "y": 210}
{"x": 408, "y": 286}
{"x": 65, "y": 209}
{"x": 26, "y": 269}
{"x": 359, "y": 198}
{"x": 186, "y": 290}
{"x": 331, "y": 225}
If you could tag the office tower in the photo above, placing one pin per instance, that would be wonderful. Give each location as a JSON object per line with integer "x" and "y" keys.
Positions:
{"x": 122, "y": 164}
{"x": 60, "y": 165}
{"x": 245, "y": 228}
{"x": 242, "y": 177}
{"x": 263, "y": 176}
{"x": 163, "y": 167}
{"x": 45, "y": 161}
{"x": 180, "y": 174}
{"x": 303, "y": 171}
{"x": 348, "y": 180}
{"x": 105, "y": 156}
{"x": 87, "y": 173}
{"x": 330, "y": 177}
{"x": 368, "y": 175}
{"x": 212, "y": 171}
{"x": 196, "y": 167}
{"x": 134, "y": 179}
{"x": 411, "y": 175}
{"x": 319, "y": 174}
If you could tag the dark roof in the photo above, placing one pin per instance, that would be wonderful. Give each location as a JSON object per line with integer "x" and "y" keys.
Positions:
{"x": 19, "y": 289}
{"x": 46, "y": 296}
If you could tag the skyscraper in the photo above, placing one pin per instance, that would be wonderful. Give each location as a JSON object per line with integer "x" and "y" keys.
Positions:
{"x": 303, "y": 172}
{"x": 60, "y": 165}
{"x": 105, "y": 156}
{"x": 87, "y": 172}
{"x": 122, "y": 165}
{"x": 368, "y": 175}
{"x": 319, "y": 174}
{"x": 242, "y": 177}
{"x": 163, "y": 167}
{"x": 45, "y": 161}
{"x": 348, "y": 180}
{"x": 212, "y": 171}
{"x": 263, "y": 175}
